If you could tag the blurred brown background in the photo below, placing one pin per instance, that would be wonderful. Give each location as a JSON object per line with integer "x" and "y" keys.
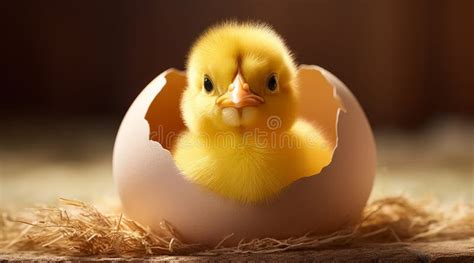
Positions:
{"x": 408, "y": 61}
{"x": 70, "y": 70}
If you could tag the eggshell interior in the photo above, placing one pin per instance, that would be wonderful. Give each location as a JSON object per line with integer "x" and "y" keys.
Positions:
{"x": 152, "y": 188}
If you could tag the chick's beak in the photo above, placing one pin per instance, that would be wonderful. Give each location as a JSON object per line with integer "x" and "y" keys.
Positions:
{"x": 239, "y": 95}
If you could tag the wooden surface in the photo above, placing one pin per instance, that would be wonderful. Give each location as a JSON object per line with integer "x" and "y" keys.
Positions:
{"x": 447, "y": 251}
{"x": 58, "y": 162}
{"x": 39, "y": 163}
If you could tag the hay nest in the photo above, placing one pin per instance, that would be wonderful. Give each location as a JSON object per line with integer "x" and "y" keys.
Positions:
{"x": 79, "y": 229}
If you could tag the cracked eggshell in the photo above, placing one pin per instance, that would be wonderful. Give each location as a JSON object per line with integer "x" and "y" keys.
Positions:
{"x": 152, "y": 188}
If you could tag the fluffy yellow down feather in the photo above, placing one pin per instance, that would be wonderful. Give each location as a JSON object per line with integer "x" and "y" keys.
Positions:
{"x": 244, "y": 139}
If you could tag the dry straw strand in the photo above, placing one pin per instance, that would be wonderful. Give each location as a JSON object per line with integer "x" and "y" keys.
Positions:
{"x": 76, "y": 228}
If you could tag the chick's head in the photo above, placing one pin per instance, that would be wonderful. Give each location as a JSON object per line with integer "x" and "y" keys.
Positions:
{"x": 240, "y": 77}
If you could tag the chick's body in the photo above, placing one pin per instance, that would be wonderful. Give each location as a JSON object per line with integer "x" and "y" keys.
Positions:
{"x": 244, "y": 140}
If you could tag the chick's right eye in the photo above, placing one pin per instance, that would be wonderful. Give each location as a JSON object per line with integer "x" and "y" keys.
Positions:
{"x": 208, "y": 84}
{"x": 272, "y": 83}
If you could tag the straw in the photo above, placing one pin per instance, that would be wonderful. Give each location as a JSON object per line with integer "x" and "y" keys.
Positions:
{"x": 75, "y": 228}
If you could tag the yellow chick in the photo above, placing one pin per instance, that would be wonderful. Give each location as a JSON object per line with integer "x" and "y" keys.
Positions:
{"x": 244, "y": 139}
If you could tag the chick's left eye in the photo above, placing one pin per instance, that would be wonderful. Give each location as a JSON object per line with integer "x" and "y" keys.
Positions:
{"x": 208, "y": 84}
{"x": 272, "y": 83}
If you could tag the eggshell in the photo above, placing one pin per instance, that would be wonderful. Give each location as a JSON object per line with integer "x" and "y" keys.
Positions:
{"x": 152, "y": 188}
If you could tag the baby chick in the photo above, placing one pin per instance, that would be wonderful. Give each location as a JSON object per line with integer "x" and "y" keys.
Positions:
{"x": 244, "y": 138}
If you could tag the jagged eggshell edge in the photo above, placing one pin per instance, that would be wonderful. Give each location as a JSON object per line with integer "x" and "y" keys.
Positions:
{"x": 152, "y": 189}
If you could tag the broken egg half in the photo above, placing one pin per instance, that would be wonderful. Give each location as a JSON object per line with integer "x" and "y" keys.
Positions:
{"x": 153, "y": 189}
